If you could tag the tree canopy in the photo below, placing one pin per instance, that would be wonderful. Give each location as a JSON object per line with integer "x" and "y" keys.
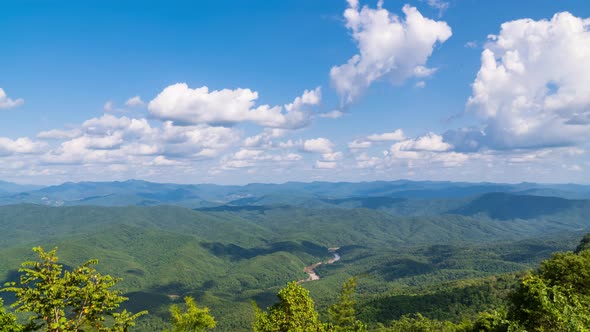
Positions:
{"x": 192, "y": 319}
{"x": 294, "y": 312}
{"x": 63, "y": 300}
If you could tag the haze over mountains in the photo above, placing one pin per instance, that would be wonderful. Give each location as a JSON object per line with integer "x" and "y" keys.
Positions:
{"x": 142, "y": 193}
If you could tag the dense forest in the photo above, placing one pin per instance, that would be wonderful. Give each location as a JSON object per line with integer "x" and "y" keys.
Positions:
{"x": 420, "y": 253}
{"x": 553, "y": 297}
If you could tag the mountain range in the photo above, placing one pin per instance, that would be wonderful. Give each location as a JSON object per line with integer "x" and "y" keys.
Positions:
{"x": 228, "y": 245}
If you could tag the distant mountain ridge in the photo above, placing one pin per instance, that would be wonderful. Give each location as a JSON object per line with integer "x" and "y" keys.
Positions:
{"x": 143, "y": 193}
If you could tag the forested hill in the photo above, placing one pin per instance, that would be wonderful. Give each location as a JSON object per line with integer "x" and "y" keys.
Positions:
{"x": 227, "y": 255}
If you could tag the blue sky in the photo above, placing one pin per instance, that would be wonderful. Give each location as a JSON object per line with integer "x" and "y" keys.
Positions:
{"x": 187, "y": 91}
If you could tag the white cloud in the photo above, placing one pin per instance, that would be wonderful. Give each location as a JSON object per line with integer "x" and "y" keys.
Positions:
{"x": 246, "y": 158}
{"x": 6, "y": 103}
{"x": 110, "y": 138}
{"x": 134, "y": 101}
{"x": 356, "y": 145}
{"x": 109, "y": 123}
{"x": 396, "y": 135}
{"x": 573, "y": 168}
{"x": 23, "y": 145}
{"x": 318, "y": 145}
{"x": 59, "y": 134}
{"x": 309, "y": 98}
{"x": 389, "y": 47}
{"x": 108, "y": 106}
{"x": 533, "y": 87}
{"x": 421, "y": 71}
{"x": 334, "y": 114}
{"x": 264, "y": 139}
{"x": 430, "y": 142}
{"x": 450, "y": 159}
{"x": 332, "y": 156}
{"x": 196, "y": 141}
{"x": 420, "y": 84}
{"x": 289, "y": 144}
{"x": 325, "y": 164}
{"x": 184, "y": 106}
{"x": 441, "y": 5}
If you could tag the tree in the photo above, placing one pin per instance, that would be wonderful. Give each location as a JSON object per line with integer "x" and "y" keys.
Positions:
{"x": 342, "y": 313}
{"x": 584, "y": 244}
{"x": 557, "y": 296}
{"x": 192, "y": 319}
{"x": 8, "y": 321}
{"x": 494, "y": 321}
{"x": 295, "y": 312}
{"x": 419, "y": 323}
{"x": 68, "y": 301}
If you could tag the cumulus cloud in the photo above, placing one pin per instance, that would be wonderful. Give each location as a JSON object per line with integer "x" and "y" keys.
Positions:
{"x": 199, "y": 141}
{"x": 186, "y": 106}
{"x": 23, "y": 145}
{"x": 318, "y": 145}
{"x": 134, "y": 101}
{"x": 396, "y": 135}
{"x": 533, "y": 87}
{"x": 319, "y": 164}
{"x": 246, "y": 158}
{"x": 110, "y": 138}
{"x": 429, "y": 142}
{"x": 426, "y": 152}
{"x": 59, "y": 134}
{"x": 389, "y": 47}
{"x": 6, "y": 103}
{"x": 264, "y": 139}
{"x": 309, "y": 97}
{"x": 356, "y": 145}
{"x": 332, "y": 156}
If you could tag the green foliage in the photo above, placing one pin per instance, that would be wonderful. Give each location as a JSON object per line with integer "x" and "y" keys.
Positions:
{"x": 294, "y": 312}
{"x": 557, "y": 296}
{"x": 540, "y": 307}
{"x": 193, "y": 319}
{"x": 342, "y": 313}
{"x": 452, "y": 301}
{"x": 584, "y": 244}
{"x": 68, "y": 300}
{"x": 495, "y": 321}
{"x": 8, "y": 321}
{"x": 485, "y": 322}
{"x": 226, "y": 257}
{"x": 419, "y": 323}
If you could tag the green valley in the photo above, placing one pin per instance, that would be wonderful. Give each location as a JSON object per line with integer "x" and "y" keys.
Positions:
{"x": 444, "y": 265}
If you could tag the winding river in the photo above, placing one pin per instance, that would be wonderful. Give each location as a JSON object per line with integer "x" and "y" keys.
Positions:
{"x": 310, "y": 269}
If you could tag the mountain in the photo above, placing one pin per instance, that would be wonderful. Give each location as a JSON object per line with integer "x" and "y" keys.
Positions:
{"x": 228, "y": 245}
{"x": 8, "y": 188}
{"x": 507, "y": 206}
{"x": 228, "y": 255}
{"x": 313, "y": 194}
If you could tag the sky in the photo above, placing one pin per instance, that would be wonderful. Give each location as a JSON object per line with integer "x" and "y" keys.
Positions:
{"x": 234, "y": 92}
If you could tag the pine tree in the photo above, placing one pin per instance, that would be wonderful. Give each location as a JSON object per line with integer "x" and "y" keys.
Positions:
{"x": 342, "y": 313}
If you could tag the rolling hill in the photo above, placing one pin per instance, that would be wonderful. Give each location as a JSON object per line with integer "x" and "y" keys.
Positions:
{"x": 228, "y": 245}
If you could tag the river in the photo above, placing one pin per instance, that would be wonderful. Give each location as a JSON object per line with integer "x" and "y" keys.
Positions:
{"x": 310, "y": 269}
